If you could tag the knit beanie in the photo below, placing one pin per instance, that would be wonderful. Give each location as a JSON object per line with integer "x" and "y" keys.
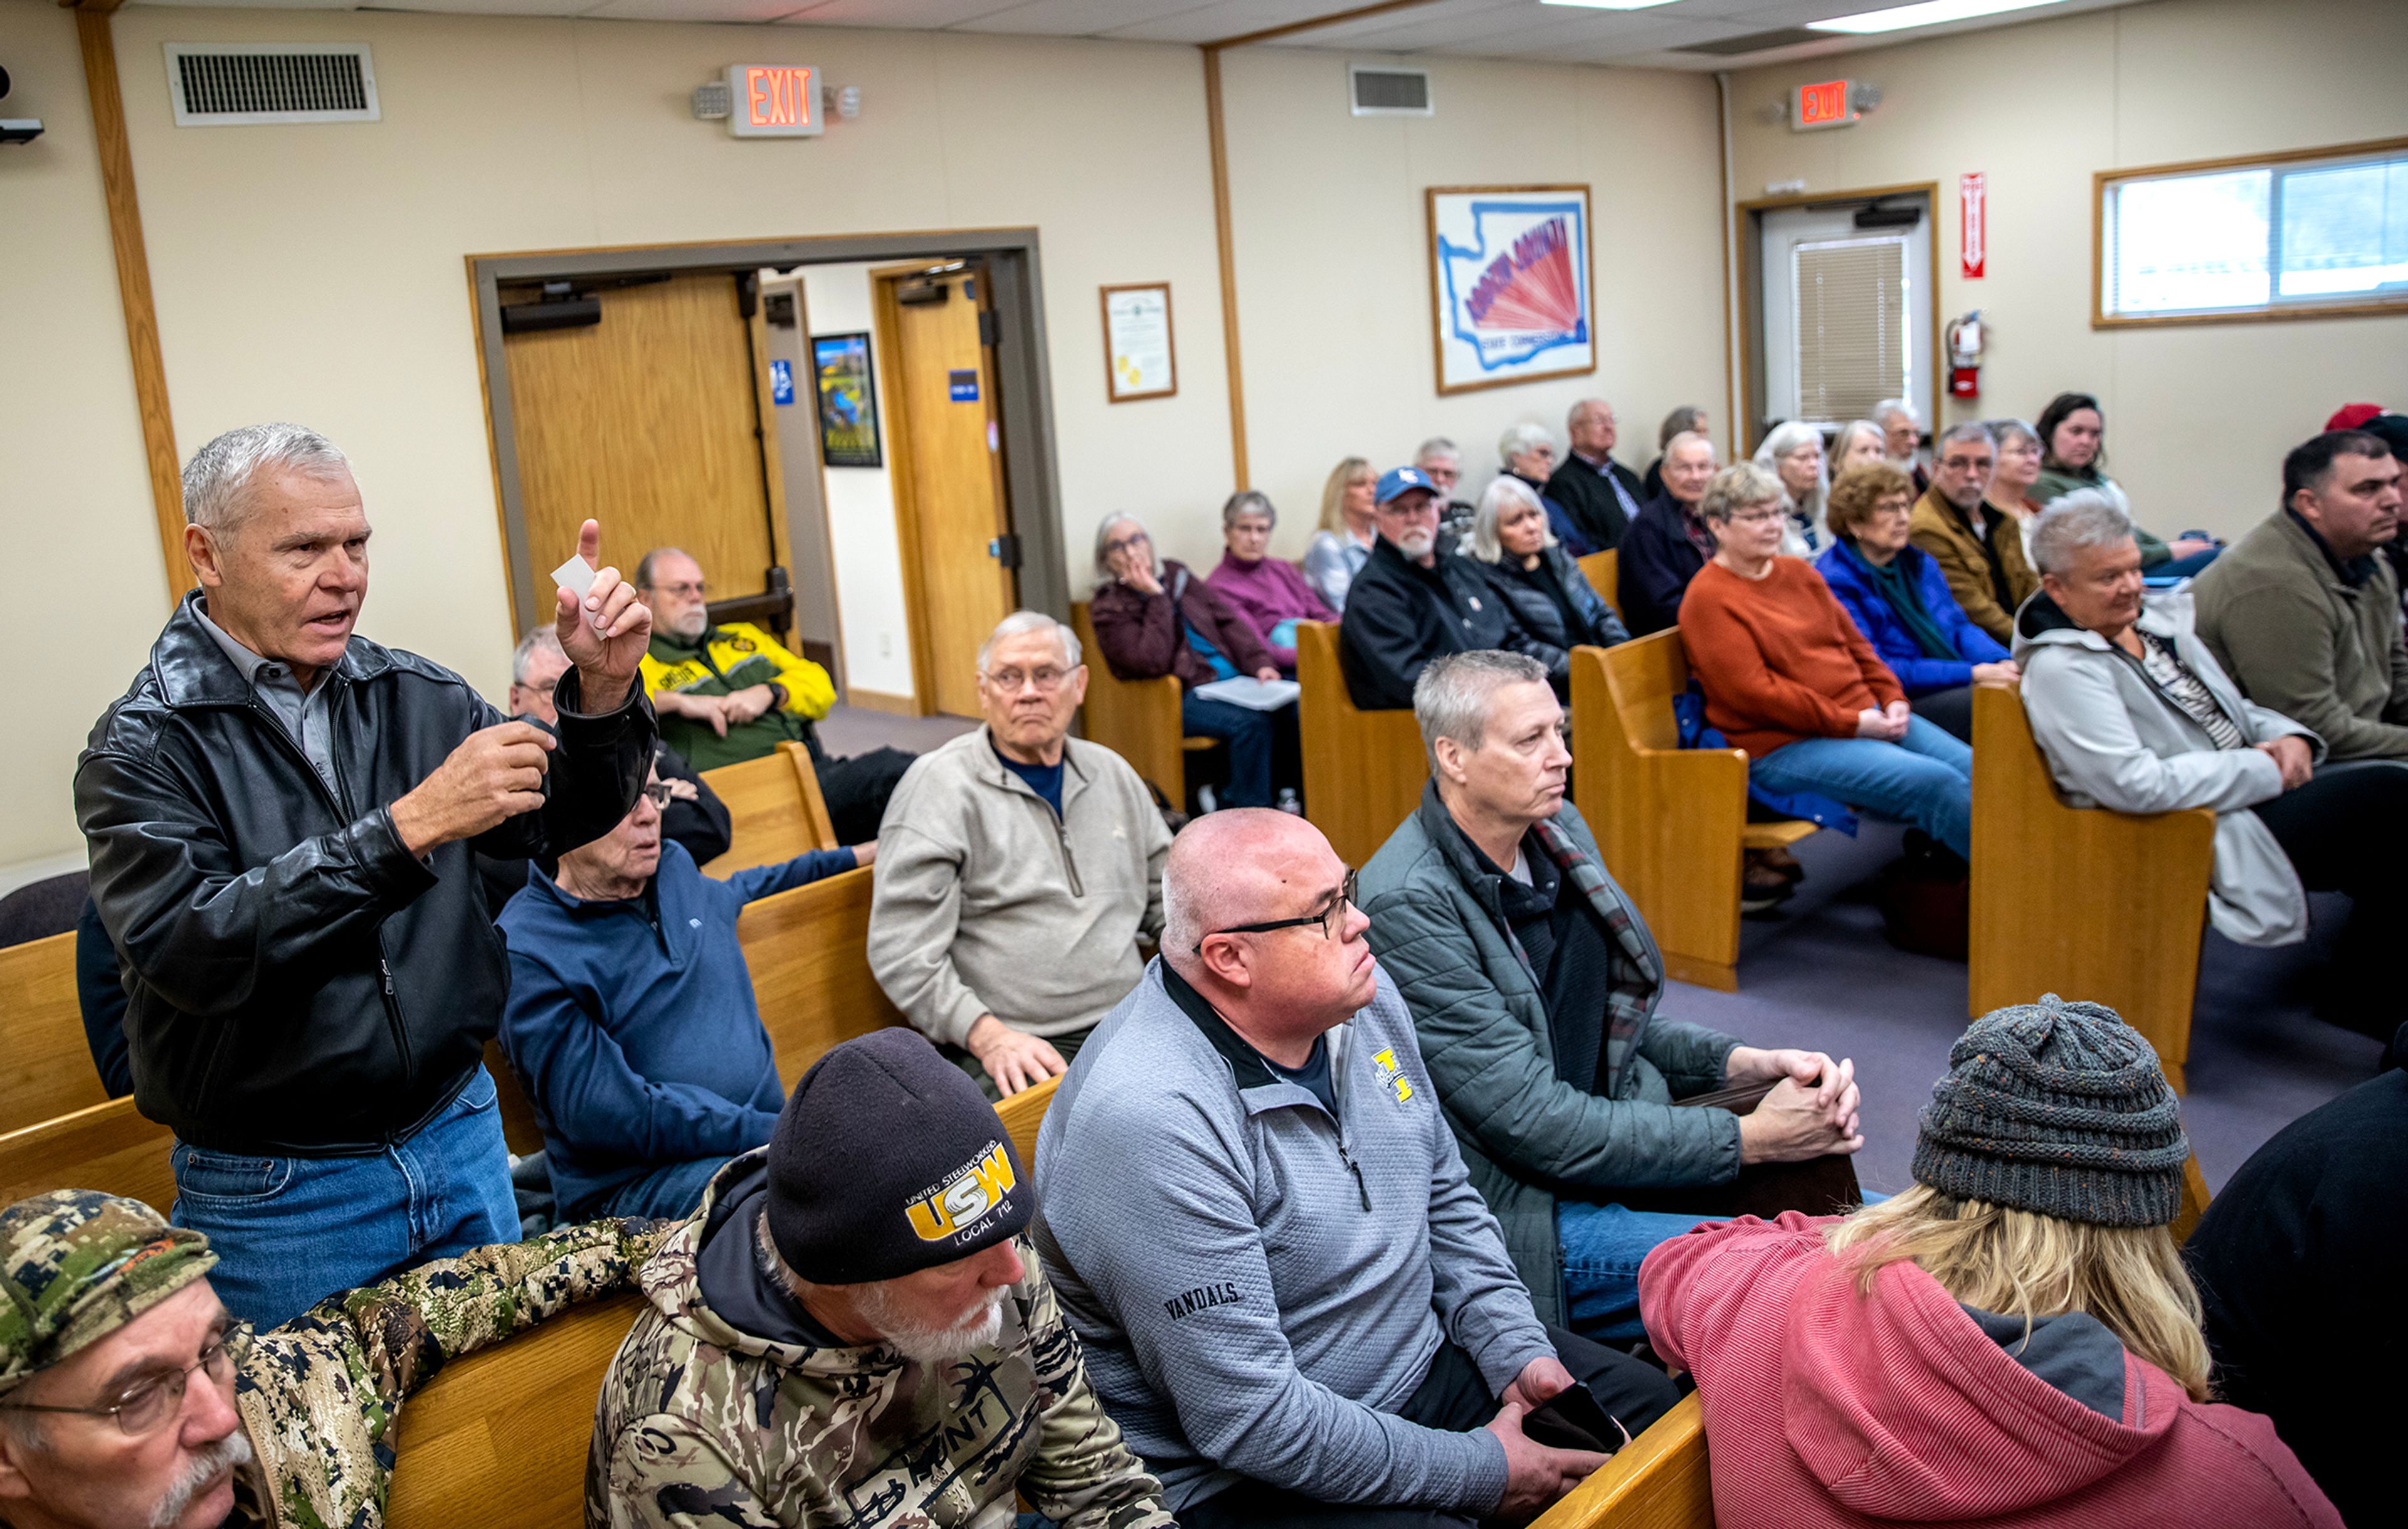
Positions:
{"x": 2057, "y": 1108}
{"x": 888, "y": 1159}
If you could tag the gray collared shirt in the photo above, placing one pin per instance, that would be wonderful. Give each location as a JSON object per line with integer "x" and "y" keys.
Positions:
{"x": 304, "y": 713}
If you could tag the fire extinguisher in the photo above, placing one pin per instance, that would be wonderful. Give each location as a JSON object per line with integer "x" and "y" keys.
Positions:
{"x": 1965, "y": 356}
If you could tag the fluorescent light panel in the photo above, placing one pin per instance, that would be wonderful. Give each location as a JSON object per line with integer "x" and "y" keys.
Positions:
{"x": 1608, "y": 4}
{"x": 1928, "y": 13}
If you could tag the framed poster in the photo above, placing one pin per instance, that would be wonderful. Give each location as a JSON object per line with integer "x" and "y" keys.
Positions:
{"x": 1139, "y": 359}
{"x": 847, "y": 390}
{"x": 1510, "y": 284}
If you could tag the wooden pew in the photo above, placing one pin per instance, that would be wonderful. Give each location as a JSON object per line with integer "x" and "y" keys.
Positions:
{"x": 1023, "y": 1112}
{"x": 1603, "y": 570}
{"x": 2081, "y": 902}
{"x": 775, "y": 808}
{"x": 807, "y": 950}
{"x": 1658, "y": 1481}
{"x": 1136, "y": 719}
{"x": 45, "y": 1067}
{"x": 1672, "y": 821}
{"x": 108, "y": 1147}
{"x": 1363, "y": 770}
{"x": 2194, "y": 1200}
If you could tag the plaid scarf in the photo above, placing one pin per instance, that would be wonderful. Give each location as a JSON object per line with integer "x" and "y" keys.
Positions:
{"x": 1638, "y": 974}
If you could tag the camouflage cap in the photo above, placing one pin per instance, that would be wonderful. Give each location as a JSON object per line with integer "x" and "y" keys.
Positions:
{"x": 76, "y": 1265}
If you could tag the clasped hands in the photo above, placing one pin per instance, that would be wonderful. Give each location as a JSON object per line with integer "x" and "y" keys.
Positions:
{"x": 1811, "y": 1111}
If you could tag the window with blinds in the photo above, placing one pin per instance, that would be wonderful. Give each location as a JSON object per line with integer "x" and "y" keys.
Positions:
{"x": 1852, "y": 328}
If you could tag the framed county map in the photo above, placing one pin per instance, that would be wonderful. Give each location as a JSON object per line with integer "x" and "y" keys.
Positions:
{"x": 1511, "y": 297}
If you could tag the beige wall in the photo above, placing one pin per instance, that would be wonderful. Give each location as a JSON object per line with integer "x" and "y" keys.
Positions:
{"x": 862, "y": 533}
{"x": 2198, "y": 415}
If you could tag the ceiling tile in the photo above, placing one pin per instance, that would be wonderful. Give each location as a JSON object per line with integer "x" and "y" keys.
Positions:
{"x": 1228, "y": 19}
{"x": 895, "y": 15}
{"x": 1425, "y": 26}
{"x": 1081, "y": 18}
{"x": 683, "y": 10}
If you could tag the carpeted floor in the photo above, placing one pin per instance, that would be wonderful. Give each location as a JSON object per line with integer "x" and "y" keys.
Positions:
{"x": 849, "y": 730}
{"x": 1822, "y": 976}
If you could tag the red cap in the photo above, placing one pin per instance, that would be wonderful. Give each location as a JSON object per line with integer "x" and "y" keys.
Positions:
{"x": 2349, "y": 416}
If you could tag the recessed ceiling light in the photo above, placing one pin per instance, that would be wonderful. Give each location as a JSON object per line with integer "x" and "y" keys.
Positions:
{"x": 1608, "y": 4}
{"x": 1928, "y": 13}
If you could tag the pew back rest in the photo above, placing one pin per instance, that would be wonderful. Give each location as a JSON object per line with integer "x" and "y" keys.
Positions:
{"x": 806, "y": 951}
{"x": 108, "y": 1147}
{"x": 1363, "y": 770}
{"x": 1644, "y": 677}
{"x": 1136, "y": 719}
{"x": 1603, "y": 570}
{"x": 1658, "y": 1481}
{"x": 774, "y": 807}
{"x": 46, "y": 1068}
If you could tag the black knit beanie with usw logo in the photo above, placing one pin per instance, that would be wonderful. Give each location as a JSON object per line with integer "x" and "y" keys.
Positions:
{"x": 887, "y": 1160}
{"x": 2059, "y": 1108}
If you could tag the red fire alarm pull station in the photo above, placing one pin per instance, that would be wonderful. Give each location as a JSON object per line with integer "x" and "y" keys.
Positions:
{"x": 774, "y": 101}
{"x": 1825, "y": 104}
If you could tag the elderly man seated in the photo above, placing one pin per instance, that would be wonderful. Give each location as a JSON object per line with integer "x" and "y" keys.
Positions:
{"x": 1019, "y": 868}
{"x": 631, "y": 1015}
{"x": 128, "y": 1395}
{"x": 728, "y": 692}
{"x": 1980, "y": 549}
{"x": 2304, "y": 614}
{"x": 1412, "y": 601}
{"x": 2135, "y": 714}
{"x": 1667, "y": 542}
{"x": 1292, "y": 1297}
{"x": 851, "y": 1333}
{"x": 1601, "y": 494}
{"x": 1534, "y": 988}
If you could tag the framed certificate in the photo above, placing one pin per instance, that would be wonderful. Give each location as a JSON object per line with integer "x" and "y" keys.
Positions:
{"x": 1140, "y": 358}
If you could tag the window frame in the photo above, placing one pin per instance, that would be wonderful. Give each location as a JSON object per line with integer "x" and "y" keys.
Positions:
{"x": 2276, "y": 309}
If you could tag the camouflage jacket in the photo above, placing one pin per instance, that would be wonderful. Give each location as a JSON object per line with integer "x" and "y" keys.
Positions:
{"x": 320, "y": 1395}
{"x": 702, "y": 1426}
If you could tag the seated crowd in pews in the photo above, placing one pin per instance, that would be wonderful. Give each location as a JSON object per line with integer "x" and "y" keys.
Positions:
{"x": 1377, "y": 1197}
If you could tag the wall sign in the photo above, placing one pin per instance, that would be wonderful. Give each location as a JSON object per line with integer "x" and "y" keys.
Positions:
{"x": 774, "y": 101}
{"x": 1138, "y": 359}
{"x": 1510, "y": 298}
{"x": 961, "y": 385}
{"x": 782, "y": 381}
{"x": 848, "y": 401}
{"x": 1828, "y": 104}
{"x": 1974, "y": 222}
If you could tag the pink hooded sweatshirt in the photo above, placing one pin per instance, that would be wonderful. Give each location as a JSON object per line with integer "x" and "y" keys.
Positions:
{"x": 1827, "y": 1407}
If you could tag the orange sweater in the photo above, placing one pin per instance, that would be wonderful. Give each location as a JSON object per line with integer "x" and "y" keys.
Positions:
{"x": 1778, "y": 657}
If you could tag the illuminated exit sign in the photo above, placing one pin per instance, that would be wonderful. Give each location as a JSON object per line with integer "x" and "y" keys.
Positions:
{"x": 773, "y": 100}
{"x": 1825, "y": 105}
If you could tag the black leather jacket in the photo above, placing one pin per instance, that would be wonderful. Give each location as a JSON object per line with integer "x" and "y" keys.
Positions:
{"x": 301, "y": 984}
{"x": 1399, "y": 615}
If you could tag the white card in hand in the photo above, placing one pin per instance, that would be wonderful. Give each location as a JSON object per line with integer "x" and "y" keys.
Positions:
{"x": 575, "y": 575}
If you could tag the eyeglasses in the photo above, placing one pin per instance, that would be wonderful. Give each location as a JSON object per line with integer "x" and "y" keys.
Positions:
{"x": 684, "y": 591}
{"x": 1344, "y": 900}
{"x": 1137, "y": 538}
{"x": 1754, "y": 517}
{"x": 1009, "y": 680}
{"x": 154, "y": 1398}
{"x": 660, "y": 794}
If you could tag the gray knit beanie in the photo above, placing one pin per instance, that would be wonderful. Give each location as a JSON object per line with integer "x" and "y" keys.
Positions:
{"x": 2059, "y": 1108}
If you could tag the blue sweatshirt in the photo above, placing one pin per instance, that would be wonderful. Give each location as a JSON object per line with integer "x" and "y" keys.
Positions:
{"x": 639, "y": 1043}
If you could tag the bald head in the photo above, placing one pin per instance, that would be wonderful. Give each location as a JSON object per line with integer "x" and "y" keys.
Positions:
{"x": 1277, "y": 988}
{"x": 1241, "y": 866}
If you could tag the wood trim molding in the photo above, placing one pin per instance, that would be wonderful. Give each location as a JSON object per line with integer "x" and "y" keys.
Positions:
{"x": 1225, "y": 242}
{"x": 100, "y": 47}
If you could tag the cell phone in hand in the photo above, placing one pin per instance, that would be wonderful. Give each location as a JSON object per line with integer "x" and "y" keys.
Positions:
{"x": 1572, "y": 1420}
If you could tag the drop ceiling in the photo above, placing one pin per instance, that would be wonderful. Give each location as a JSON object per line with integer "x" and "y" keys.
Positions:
{"x": 1682, "y": 35}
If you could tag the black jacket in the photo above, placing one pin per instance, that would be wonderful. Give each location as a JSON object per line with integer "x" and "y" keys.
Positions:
{"x": 703, "y": 825}
{"x": 1399, "y": 615}
{"x": 1589, "y": 499}
{"x": 300, "y": 983}
{"x": 1657, "y": 562}
{"x": 1541, "y": 630}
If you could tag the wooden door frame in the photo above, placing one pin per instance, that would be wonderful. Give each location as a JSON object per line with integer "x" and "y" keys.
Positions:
{"x": 1023, "y": 390}
{"x": 1748, "y": 236}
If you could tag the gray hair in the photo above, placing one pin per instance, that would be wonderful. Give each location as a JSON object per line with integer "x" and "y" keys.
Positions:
{"x": 1523, "y": 438}
{"x": 1503, "y": 490}
{"x": 1247, "y": 501}
{"x": 1681, "y": 421}
{"x": 648, "y": 564}
{"x": 1887, "y": 407}
{"x": 1789, "y": 437}
{"x": 1847, "y": 436}
{"x": 1572, "y": 415}
{"x": 2083, "y": 518}
{"x": 1452, "y": 697}
{"x": 2003, "y": 430}
{"x": 1734, "y": 487}
{"x": 541, "y": 639}
{"x": 1969, "y": 430}
{"x": 1682, "y": 438}
{"x": 1030, "y": 621}
{"x": 1437, "y": 446}
{"x": 1104, "y": 575}
{"x": 218, "y": 478}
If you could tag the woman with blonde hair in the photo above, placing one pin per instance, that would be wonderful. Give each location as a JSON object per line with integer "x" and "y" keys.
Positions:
{"x": 2011, "y": 1341}
{"x": 1344, "y": 543}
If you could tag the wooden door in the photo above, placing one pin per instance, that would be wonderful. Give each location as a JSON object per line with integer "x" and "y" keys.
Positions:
{"x": 647, "y": 422}
{"x": 949, "y": 495}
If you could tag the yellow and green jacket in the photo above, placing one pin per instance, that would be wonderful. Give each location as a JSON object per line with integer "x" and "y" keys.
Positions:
{"x": 725, "y": 659}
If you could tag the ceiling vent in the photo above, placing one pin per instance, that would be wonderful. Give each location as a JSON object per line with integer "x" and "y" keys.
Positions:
{"x": 1383, "y": 92}
{"x": 236, "y": 84}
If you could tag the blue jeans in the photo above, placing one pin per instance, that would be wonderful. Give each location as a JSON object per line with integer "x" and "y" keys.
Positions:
{"x": 665, "y": 1195}
{"x": 1247, "y": 734}
{"x": 1924, "y": 779}
{"x": 290, "y": 1232}
{"x": 1602, "y": 1247}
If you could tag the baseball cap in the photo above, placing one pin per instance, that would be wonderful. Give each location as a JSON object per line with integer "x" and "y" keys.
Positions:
{"x": 1397, "y": 481}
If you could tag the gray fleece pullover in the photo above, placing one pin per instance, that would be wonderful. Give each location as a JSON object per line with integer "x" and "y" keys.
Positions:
{"x": 1259, "y": 1285}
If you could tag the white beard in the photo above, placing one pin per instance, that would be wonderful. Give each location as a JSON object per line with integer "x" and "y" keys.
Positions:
{"x": 925, "y": 1344}
{"x": 1418, "y": 547}
{"x": 234, "y": 1450}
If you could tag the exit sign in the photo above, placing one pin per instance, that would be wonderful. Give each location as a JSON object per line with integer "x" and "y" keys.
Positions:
{"x": 773, "y": 100}
{"x": 1825, "y": 105}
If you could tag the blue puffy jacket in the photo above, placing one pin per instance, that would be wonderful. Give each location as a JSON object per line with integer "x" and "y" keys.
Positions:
{"x": 1852, "y": 579}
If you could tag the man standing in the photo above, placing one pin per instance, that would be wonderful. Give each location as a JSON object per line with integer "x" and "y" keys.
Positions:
{"x": 1599, "y": 494}
{"x": 851, "y": 1334}
{"x": 1292, "y": 1297}
{"x": 2303, "y": 613}
{"x": 1980, "y": 549}
{"x": 1409, "y": 605}
{"x": 730, "y": 692}
{"x": 283, "y": 820}
{"x": 1018, "y": 867}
